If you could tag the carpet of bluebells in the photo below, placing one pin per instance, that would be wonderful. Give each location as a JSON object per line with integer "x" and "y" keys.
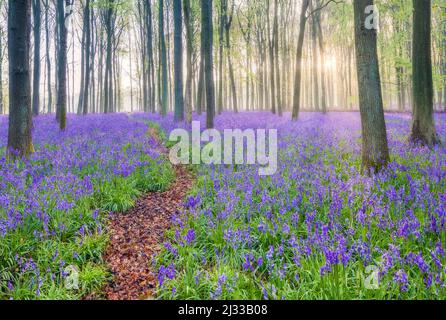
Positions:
{"x": 53, "y": 206}
{"x": 317, "y": 229}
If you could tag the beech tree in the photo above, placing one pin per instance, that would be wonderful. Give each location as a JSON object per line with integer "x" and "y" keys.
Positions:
{"x": 207, "y": 45}
{"x": 178, "y": 57}
{"x": 163, "y": 78}
{"x": 37, "y": 21}
{"x": 189, "y": 64}
{"x": 375, "y": 151}
{"x": 20, "y": 114}
{"x": 423, "y": 126}
{"x": 63, "y": 13}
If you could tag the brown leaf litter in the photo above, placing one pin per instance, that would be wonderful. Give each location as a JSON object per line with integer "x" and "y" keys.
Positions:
{"x": 137, "y": 235}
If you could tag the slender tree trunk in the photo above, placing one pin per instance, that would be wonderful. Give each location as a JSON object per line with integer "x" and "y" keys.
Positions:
{"x": 190, "y": 70}
{"x": 170, "y": 103}
{"x": 37, "y": 14}
{"x": 323, "y": 98}
{"x": 399, "y": 70}
{"x": 151, "y": 65}
{"x": 62, "y": 63}
{"x": 94, "y": 45}
{"x": 82, "y": 86}
{"x": 131, "y": 69}
{"x": 423, "y": 127}
{"x": 207, "y": 43}
{"x": 221, "y": 30}
{"x": 201, "y": 86}
{"x": 142, "y": 16}
{"x": 164, "y": 101}
{"x": 48, "y": 59}
{"x": 276, "y": 56}
{"x": 315, "y": 66}
{"x": 228, "y": 24}
{"x": 375, "y": 152}
{"x": 87, "y": 24}
{"x": 272, "y": 65}
{"x": 109, "y": 79}
{"x": 20, "y": 113}
{"x": 178, "y": 60}
{"x": 101, "y": 86}
{"x": 298, "y": 71}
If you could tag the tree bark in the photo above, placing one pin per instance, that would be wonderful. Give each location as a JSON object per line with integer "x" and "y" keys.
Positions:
{"x": 272, "y": 64}
{"x": 228, "y": 23}
{"x": 164, "y": 102}
{"x": 375, "y": 152}
{"x": 87, "y": 24}
{"x": 207, "y": 43}
{"x": 201, "y": 86}
{"x": 178, "y": 60}
{"x": 323, "y": 98}
{"x": 298, "y": 71}
{"x": 37, "y": 15}
{"x": 276, "y": 56}
{"x": 108, "y": 81}
{"x": 62, "y": 62}
{"x": 151, "y": 65}
{"x": 315, "y": 66}
{"x": 190, "y": 70}
{"x": 20, "y": 113}
{"x": 48, "y": 58}
{"x": 423, "y": 126}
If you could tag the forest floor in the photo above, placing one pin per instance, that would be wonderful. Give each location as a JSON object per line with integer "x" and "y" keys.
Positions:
{"x": 137, "y": 235}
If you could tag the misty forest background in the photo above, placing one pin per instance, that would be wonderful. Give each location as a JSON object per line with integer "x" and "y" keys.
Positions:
{"x": 120, "y": 55}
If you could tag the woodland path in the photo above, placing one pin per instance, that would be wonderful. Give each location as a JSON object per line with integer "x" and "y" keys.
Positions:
{"x": 138, "y": 234}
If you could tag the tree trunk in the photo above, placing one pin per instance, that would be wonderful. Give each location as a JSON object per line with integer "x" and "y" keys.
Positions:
{"x": 190, "y": 70}
{"x": 82, "y": 86}
{"x": 375, "y": 152}
{"x": 201, "y": 85}
{"x": 62, "y": 63}
{"x": 423, "y": 127}
{"x": 323, "y": 98}
{"x": 37, "y": 14}
{"x": 272, "y": 65}
{"x": 178, "y": 60}
{"x": 221, "y": 29}
{"x": 228, "y": 24}
{"x": 20, "y": 113}
{"x": 315, "y": 66}
{"x": 48, "y": 58}
{"x": 87, "y": 24}
{"x": 276, "y": 56}
{"x": 207, "y": 39}
{"x": 151, "y": 65}
{"x": 164, "y": 102}
{"x": 298, "y": 71}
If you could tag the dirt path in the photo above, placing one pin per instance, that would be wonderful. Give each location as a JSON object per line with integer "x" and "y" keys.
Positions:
{"x": 135, "y": 236}
{"x": 138, "y": 234}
